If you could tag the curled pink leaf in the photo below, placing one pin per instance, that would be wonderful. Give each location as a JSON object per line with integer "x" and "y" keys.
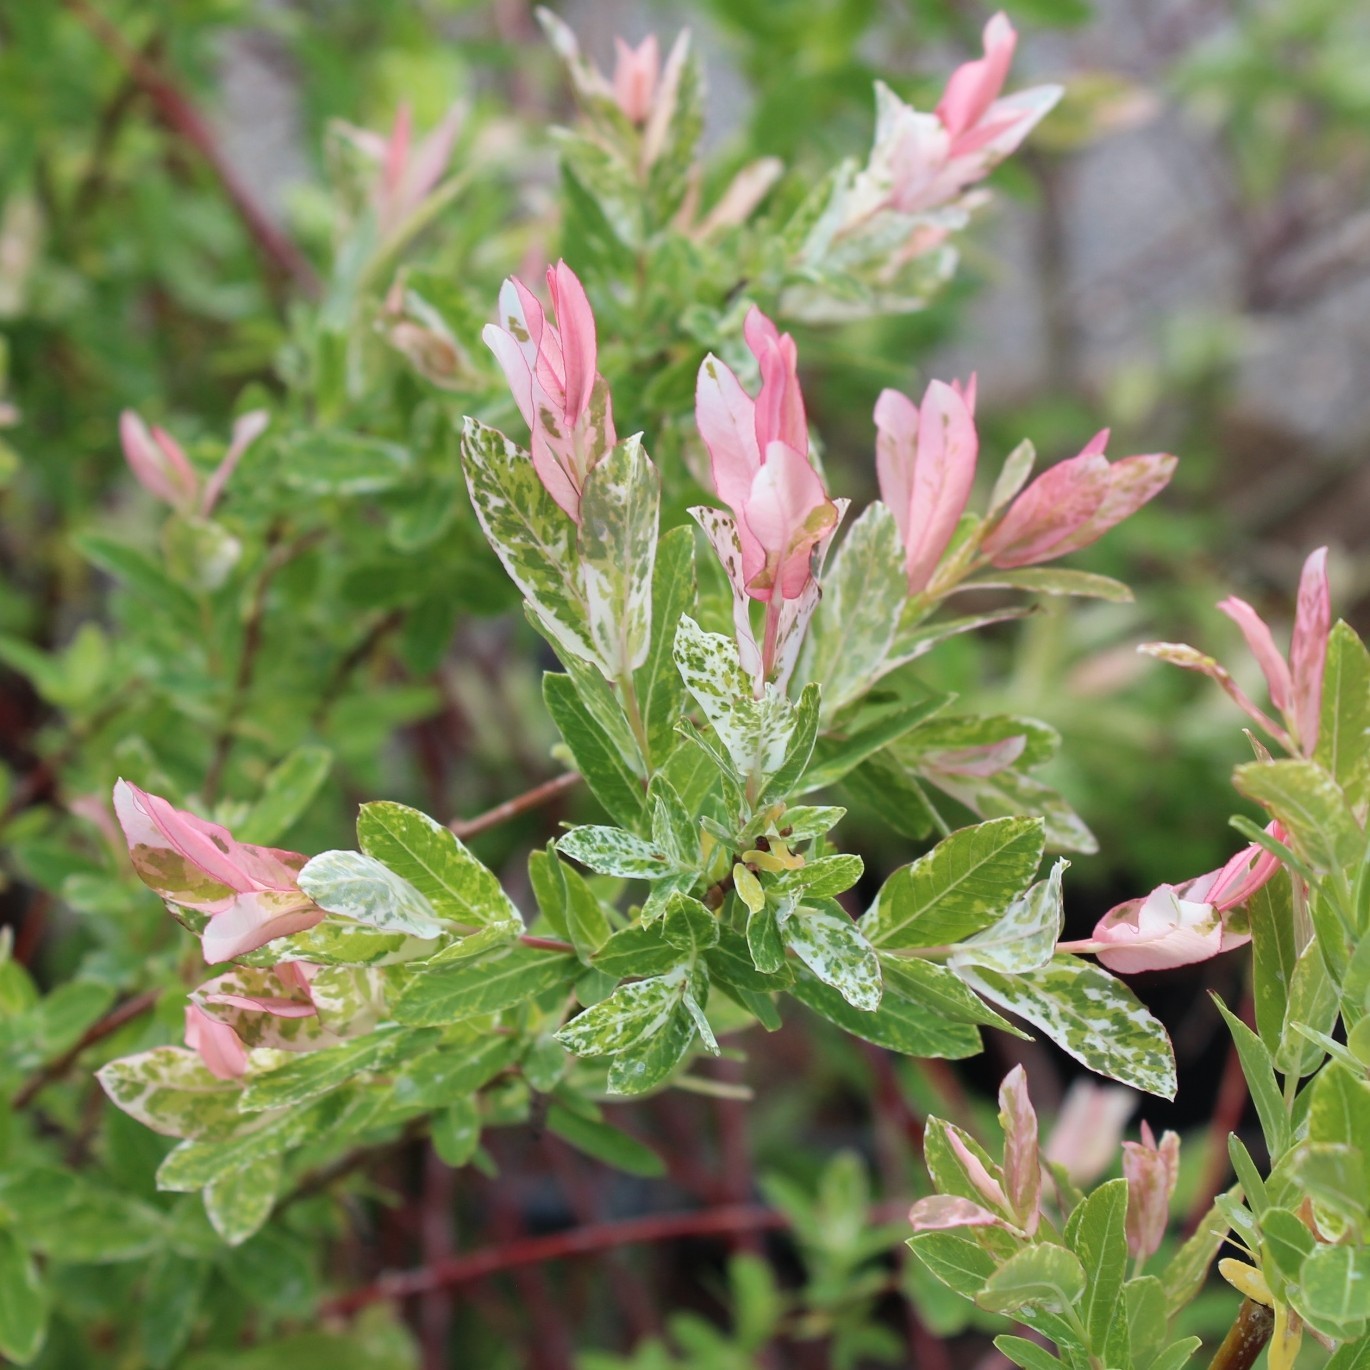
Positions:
{"x": 1308, "y": 652}
{"x": 551, "y": 370}
{"x": 636, "y": 71}
{"x": 158, "y": 462}
{"x": 250, "y": 893}
{"x": 925, "y": 463}
{"x": 1151, "y": 1171}
{"x": 940, "y": 1211}
{"x": 1022, "y": 1168}
{"x": 220, "y": 1049}
{"x": 1088, "y": 1129}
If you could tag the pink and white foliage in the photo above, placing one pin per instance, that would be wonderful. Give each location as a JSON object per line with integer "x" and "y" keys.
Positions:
{"x": 921, "y": 162}
{"x": 1151, "y": 1170}
{"x": 406, "y": 175}
{"x": 1012, "y": 1199}
{"x": 1176, "y": 925}
{"x": 163, "y": 469}
{"x": 1022, "y": 1165}
{"x": 551, "y": 372}
{"x": 1295, "y": 685}
{"x": 250, "y": 893}
{"x": 1073, "y": 504}
{"x": 925, "y": 463}
{"x": 758, "y": 449}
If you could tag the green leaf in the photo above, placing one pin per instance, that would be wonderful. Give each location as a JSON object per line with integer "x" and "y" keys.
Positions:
{"x": 143, "y": 577}
{"x": 960, "y": 1263}
{"x": 652, "y": 1061}
{"x": 1041, "y": 1276}
{"x": 317, "y": 1073}
{"x": 632, "y": 1013}
{"x": 486, "y": 985}
{"x": 364, "y": 889}
{"x": 1177, "y": 1355}
{"x": 902, "y": 1025}
{"x": 324, "y": 462}
{"x": 1259, "y": 1069}
{"x": 287, "y": 792}
{"x": 1345, "y": 723}
{"x": 1339, "y": 1112}
{"x": 1054, "y": 580}
{"x": 864, "y": 589}
{"x": 170, "y": 1302}
{"x": 830, "y": 945}
{"x": 798, "y": 750}
{"x": 433, "y": 860}
{"x": 1353, "y": 1356}
{"x": 456, "y": 1132}
{"x": 605, "y": 1143}
{"x": 240, "y": 1201}
{"x": 1025, "y": 937}
{"x": 961, "y": 886}
{"x": 1187, "y": 1270}
{"x": 1097, "y": 1234}
{"x": 1089, "y": 1014}
{"x": 641, "y": 949}
{"x": 1027, "y": 1354}
{"x": 617, "y": 545}
{"x": 660, "y": 690}
{"x": 530, "y": 533}
{"x": 822, "y": 878}
{"x": 611, "y": 851}
{"x": 938, "y": 989}
{"x": 870, "y": 729}
{"x": 1310, "y": 805}
{"x": 1271, "y": 914}
{"x": 1147, "y": 1321}
{"x": 24, "y": 1302}
{"x": 1285, "y": 1241}
{"x": 610, "y": 778}
{"x": 1335, "y": 1289}
{"x": 1313, "y": 1003}
{"x": 688, "y": 925}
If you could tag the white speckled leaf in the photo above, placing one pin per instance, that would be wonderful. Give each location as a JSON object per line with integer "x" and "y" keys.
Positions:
{"x": 833, "y": 948}
{"x": 611, "y": 851}
{"x": 1091, "y": 1015}
{"x": 529, "y": 532}
{"x": 756, "y": 732}
{"x": 358, "y": 886}
{"x": 1025, "y": 937}
{"x": 618, "y": 533}
{"x": 631, "y": 1013}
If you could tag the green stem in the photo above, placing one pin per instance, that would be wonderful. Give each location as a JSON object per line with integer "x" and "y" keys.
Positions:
{"x": 633, "y": 712}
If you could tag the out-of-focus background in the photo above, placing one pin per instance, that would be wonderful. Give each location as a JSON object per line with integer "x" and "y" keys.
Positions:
{"x": 1181, "y": 253}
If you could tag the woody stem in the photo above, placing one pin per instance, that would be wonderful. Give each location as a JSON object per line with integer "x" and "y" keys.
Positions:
{"x": 1246, "y": 1338}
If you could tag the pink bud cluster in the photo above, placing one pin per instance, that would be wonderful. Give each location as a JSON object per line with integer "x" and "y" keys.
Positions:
{"x": 163, "y": 469}
{"x": 1010, "y": 1195}
{"x": 551, "y": 370}
{"x": 926, "y": 458}
{"x": 922, "y": 161}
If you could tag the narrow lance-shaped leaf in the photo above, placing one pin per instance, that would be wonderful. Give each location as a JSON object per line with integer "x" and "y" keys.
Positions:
{"x": 618, "y": 540}
{"x": 1089, "y": 1014}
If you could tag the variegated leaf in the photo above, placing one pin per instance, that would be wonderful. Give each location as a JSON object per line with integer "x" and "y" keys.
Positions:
{"x": 830, "y": 945}
{"x": 1025, "y": 937}
{"x": 360, "y": 887}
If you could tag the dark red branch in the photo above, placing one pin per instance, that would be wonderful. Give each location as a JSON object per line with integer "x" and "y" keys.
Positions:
{"x": 511, "y": 808}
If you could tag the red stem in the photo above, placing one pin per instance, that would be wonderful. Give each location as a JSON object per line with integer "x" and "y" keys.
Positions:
{"x": 511, "y": 808}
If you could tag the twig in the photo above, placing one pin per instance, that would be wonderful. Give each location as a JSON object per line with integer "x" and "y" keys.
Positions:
{"x": 723, "y": 1221}
{"x": 511, "y": 808}
{"x": 181, "y": 116}
{"x": 1246, "y": 1338}
{"x": 97, "y": 1032}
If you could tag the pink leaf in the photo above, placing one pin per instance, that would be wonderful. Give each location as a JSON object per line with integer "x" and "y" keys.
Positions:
{"x": 576, "y": 327}
{"x": 983, "y": 1181}
{"x": 1062, "y": 499}
{"x": 220, "y": 1049}
{"x": 1022, "y": 1169}
{"x": 1151, "y": 1172}
{"x": 158, "y": 462}
{"x": 1308, "y": 654}
{"x": 1089, "y": 1128}
{"x": 939, "y": 1211}
{"x": 1262, "y": 645}
{"x": 787, "y": 511}
{"x": 974, "y": 86}
{"x": 635, "y": 76}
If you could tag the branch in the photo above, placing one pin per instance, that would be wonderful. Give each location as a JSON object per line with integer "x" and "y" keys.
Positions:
{"x": 1246, "y": 1338}
{"x": 184, "y": 120}
{"x": 511, "y": 808}
{"x": 724, "y": 1221}
{"x": 97, "y": 1032}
